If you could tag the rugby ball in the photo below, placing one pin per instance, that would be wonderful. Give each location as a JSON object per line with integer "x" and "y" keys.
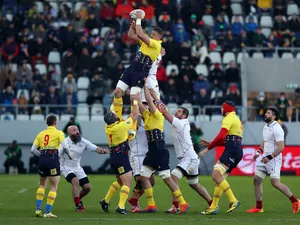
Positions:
{"x": 132, "y": 14}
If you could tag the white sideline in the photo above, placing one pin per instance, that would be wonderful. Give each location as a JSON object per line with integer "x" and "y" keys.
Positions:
{"x": 22, "y": 190}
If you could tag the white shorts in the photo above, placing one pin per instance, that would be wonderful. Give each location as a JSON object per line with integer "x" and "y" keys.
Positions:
{"x": 78, "y": 171}
{"x": 151, "y": 83}
{"x": 273, "y": 168}
{"x": 136, "y": 163}
{"x": 189, "y": 165}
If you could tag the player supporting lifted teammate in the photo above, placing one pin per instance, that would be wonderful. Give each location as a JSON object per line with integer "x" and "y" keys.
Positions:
{"x": 48, "y": 141}
{"x": 71, "y": 169}
{"x": 231, "y": 135}
{"x": 157, "y": 157}
{"x": 271, "y": 162}
{"x": 117, "y": 134}
{"x": 150, "y": 48}
{"x": 188, "y": 159}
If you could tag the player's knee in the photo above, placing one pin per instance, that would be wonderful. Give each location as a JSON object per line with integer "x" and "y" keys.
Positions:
{"x": 75, "y": 181}
{"x": 86, "y": 188}
{"x": 135, "y": 90}
{"x": 177, "y": 174}
{"x": 193, "y": 181}
{"x": 257, "y": 180}
{"x": 138, "y": 187}
{"x": 275, "y": 183}
{"x": 165, "y": 174}
{"x": 146, "y": 172}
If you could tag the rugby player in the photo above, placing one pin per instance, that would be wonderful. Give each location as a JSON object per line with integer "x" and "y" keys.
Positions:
{"x": 231, "y": 135}
{"x": 271, "y": 162}
{"x": 157, "y": 157}
{"x": 188, "y": 159}
{"x": 116, "y": 130}
{"x": 71, "y": 169}
{"x": 48, "y": 142}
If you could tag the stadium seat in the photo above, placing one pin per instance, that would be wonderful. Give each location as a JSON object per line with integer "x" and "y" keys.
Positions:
{"x": 82, "y": 95}
{"x": 215, "y": 57}
{"x": 254, "y": 19}
{"x": 97, "y": 109}
{"x": 69, "y": 4}
{"x": 258, "y": 55}
{"x": 287, "y": 55}
{"x": 7, "y": 117}
{"x": 189, "y": 107}
{"x": 29, "y": 66}
{"x": 9, "y": 17}
{"x": 83, "y": 83}
{"x": 42, "y": 68}
{"x": 201, "y": 69}
{"x": 54, "y": 57}
{"x": 40, "y": 6}
{"x": 83, "y": 118}
{"x": 266, "y": 32}
{"x": 292, "y": 9}
{"x": 228, "y": 56}
{"x": 208, "y": 20}
{"x": 240, "y": 57}
{"x": 241, "y": 19}
{"x": 226, "y": 18}
{"x": 172, "y": 107}
{"x": 54, "y": 5}
{"x": 266, "y": 21}
{"x": 22, "y": 117}
{"x": 236, "y": 9}
{"x": 298, "y": 55}
{"x": 98, "y": 118}
{"x": 170, "y": 67}
{"x": 65, "y": 117}
{"x": 217, "y": 118}
{"x": 82, "y": 109}
{"x": 78, "y": 6}
{"x": 37, "y": 117}
{"x": 202, "y": 118}
{"x": 104, "y": 30}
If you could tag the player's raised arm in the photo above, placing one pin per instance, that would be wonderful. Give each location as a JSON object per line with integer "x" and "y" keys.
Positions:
{"x": 132, "y": 32}
{"x": 135, "y": 107}
{"x": 152, "y": 107}
{"x": 139, "y": 30}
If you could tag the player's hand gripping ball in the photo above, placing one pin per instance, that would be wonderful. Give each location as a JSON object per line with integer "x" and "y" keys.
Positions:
{"x": 160, "y": 106}
{"x": 133, "y": 14}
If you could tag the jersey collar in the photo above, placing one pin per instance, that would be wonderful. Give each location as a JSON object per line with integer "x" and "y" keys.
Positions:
{"x": 271, "y": 124}
{"x": 51, "y": 128}
{"x": 231, "y": 113}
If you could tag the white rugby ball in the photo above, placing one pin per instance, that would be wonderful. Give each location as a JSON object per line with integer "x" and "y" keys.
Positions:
{"x": 132, "y": 14}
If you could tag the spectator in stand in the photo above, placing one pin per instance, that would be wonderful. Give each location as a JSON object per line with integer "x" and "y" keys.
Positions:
{"x": 98, "y": 87}
{"x": 7, "y": 76}
{"x": 244, "y": 40}
{"x": 7, "y": 99}
{"x": 52, "y": 98}
{"x": 251, "y": 27}
{"x": 265, "y": 6}
{"x": 280, "y": 7}
{"x": 83, "y": 43}
{"x": 44, "y": 85}
{"x": 296, "y": 103}
{"x": 232, "y": 74}
{"x": 11, "y": 30}
{"x": 185, "y": 52}
{"x": 236, "y": 26}
{"x": 220, "y": 25}
{"x": 69, "y": 61}
{"x": 258, "y": 38}
{"x": 161, "y": 76}
{"x": 217, "y": 99}
{"x": 36, "y": 79}
{"x": 32, "y": 10}
{"x": 95, "y": 40}
{"x": 70, "y": 38}
{"x": 232, "y": 43}
{"x": 92, "y": 22}
{"x": 107, "y": 13}
{"x": 53, "y": 76}
{"x": 69, "y": 83}
{"x": 24, "y": 52}
{"x": 93, "y": 8}
{"x": 217, "y": 74}
{"x": 69, "y": 98}
{"x": 14, "y": 155}
{"x": 10, "y": 50}
{"x": 99, "y": 60}
{"x": 196, "y": 134}
{"x": 283, "y": 105}
{"x": 201, "y": 98}
{"x": 164, "y": 21}
{"x": 38, "y": 51}
{"x": 9, "y": 5}
{"x": 85, "y": 61}
{"x": 261, "y": 103}
{"x": 23, "y": 103}
{"x": 171, "y": 92}
{"x": 200, "y": 54}
{"x": 200, "y": 83}
{"x": 40, "y": 32}
{"x": 189, "y": 70}
{"x": 36, "y": 102}
{"x": 294, "y": 24}
{"x": 24, "y": 77}
{"x": 234, "y": 95}
{"x": 172, "y": 48}
{"x": 271, "y": 43}
{"x": 199, "y": 37}
{"x": 279, "y": 24}
{"x": 123, "y": 10}
{"x": 72, "y": 122}
{"x": 149, "y": 10}
{"x": 112, "y": 58}
{"x": 180, "y": 33}
{"x": 193, "y": 25}
{"x": 185, "y": 87}
{"x": 53, "y": 41}
{"x": 107, "y": 100}
{"x": 78, "y": 23}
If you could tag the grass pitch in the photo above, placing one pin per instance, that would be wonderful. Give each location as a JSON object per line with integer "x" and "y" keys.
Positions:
{"x": 17, "y": 204}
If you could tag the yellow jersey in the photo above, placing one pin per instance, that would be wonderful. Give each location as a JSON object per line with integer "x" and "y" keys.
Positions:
{"x": 152, "y": 50}
{"x": 49, "y": 138}
{"x": 233, "y": 124}
{"x": 117, "y": 132}
{"x": 265, "y": 4}
{"x": 153, "y": 121}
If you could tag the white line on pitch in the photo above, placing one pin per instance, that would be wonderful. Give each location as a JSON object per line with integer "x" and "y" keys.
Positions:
{"x": 22, "y": 190}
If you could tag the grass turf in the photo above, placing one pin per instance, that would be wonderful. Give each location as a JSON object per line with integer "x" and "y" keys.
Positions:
{"x": 17, "y": 204}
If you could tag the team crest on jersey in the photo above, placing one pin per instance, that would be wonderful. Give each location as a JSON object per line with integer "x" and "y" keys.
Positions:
{"x": 191, "y": 170}
{"x": 121, "y": 169}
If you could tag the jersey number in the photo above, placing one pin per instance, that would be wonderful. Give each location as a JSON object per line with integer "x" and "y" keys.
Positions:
{"x": 110, "y": 138}
{"x": 46, "y": 140}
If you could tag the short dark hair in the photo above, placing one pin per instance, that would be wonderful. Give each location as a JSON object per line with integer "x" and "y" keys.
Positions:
{"x": 158, "y": 30}
{"x": 275, "y": 112}
{"x": 185, "y": 111}
{"x": 51, "y": 120}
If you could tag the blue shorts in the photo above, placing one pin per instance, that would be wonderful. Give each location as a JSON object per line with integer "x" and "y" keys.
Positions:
{"x": 120, "y": 163}
{"x": 157, "y": 158}
{"x": 49, "y": 166}
{"x": 134, "y": 75}
{"x": 232, "y": 155}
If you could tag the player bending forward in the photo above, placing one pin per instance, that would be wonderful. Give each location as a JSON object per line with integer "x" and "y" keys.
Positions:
{"x": 271, "y": 162}
{"x": 71, "y": 169}
{"x": 231, "y": 135}
{"x": 188, "y": 159}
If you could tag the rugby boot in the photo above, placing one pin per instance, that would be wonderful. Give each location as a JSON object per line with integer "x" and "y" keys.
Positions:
{"x": 255, "y": 210}
{"x": 233, "y": 206}
{"x": 296, "y": 206}
{"x": 210, "y": 211}
{"x": 79, "y": 208}
{"x": 49, "y": 215}
{"x": 121, "y": 211}
{"x": 38, "y": 213}
{"x": 184, "y": 208}
{"x": 149, "y": 209}
{"x": 104, "y": 206}
{"x": 173, "y": 209}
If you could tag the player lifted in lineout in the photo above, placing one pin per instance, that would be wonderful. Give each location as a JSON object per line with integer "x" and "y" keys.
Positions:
{"x": 188, "y": 159}
{"x": 271, "y": 161}
{"x": 116, "y": 130}
{"x": 231, "y": 135}
{"x": 71, "y": 169}
{"x": 48, "y": 142}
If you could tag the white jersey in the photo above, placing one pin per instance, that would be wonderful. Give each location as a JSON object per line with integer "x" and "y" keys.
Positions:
{"x": 154, "y": 67}
{"x": 182, "y": 138}
{"x": 76, "y": 151}
{"x": 139, "y": 145}
{"x": 272, "y": 133}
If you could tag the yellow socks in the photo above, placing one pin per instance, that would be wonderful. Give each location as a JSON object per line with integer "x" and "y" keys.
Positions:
{"x": 149, "y": 194}
{"x": 216, "y": 198}
{"x": 114, "y": 187}
{"x": 50, "y": 200}
{"x": 226, "y": 188}
{"x": 179, "y": 197}
{"x": 124, "y": 192}
{"x": 40, "y": 193}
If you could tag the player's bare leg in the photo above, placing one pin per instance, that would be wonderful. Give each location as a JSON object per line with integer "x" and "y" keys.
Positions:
{"x": 76, "y": 194}
{"x": 85, "y": 190}
{"x": 54, "y": 181}
{"x": 286, "y": 191}
{"x": 40, "y": 196}
{"x": 202, "y": 192}
{"x": 258, "y": 188}
{"x": 175, "y": 203}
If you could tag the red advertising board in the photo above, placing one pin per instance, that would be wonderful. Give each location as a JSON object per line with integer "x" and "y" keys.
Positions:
{"x": 290, "y": 160}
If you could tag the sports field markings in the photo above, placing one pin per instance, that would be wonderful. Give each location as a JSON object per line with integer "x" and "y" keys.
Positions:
{"x": 22, "y": 190}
